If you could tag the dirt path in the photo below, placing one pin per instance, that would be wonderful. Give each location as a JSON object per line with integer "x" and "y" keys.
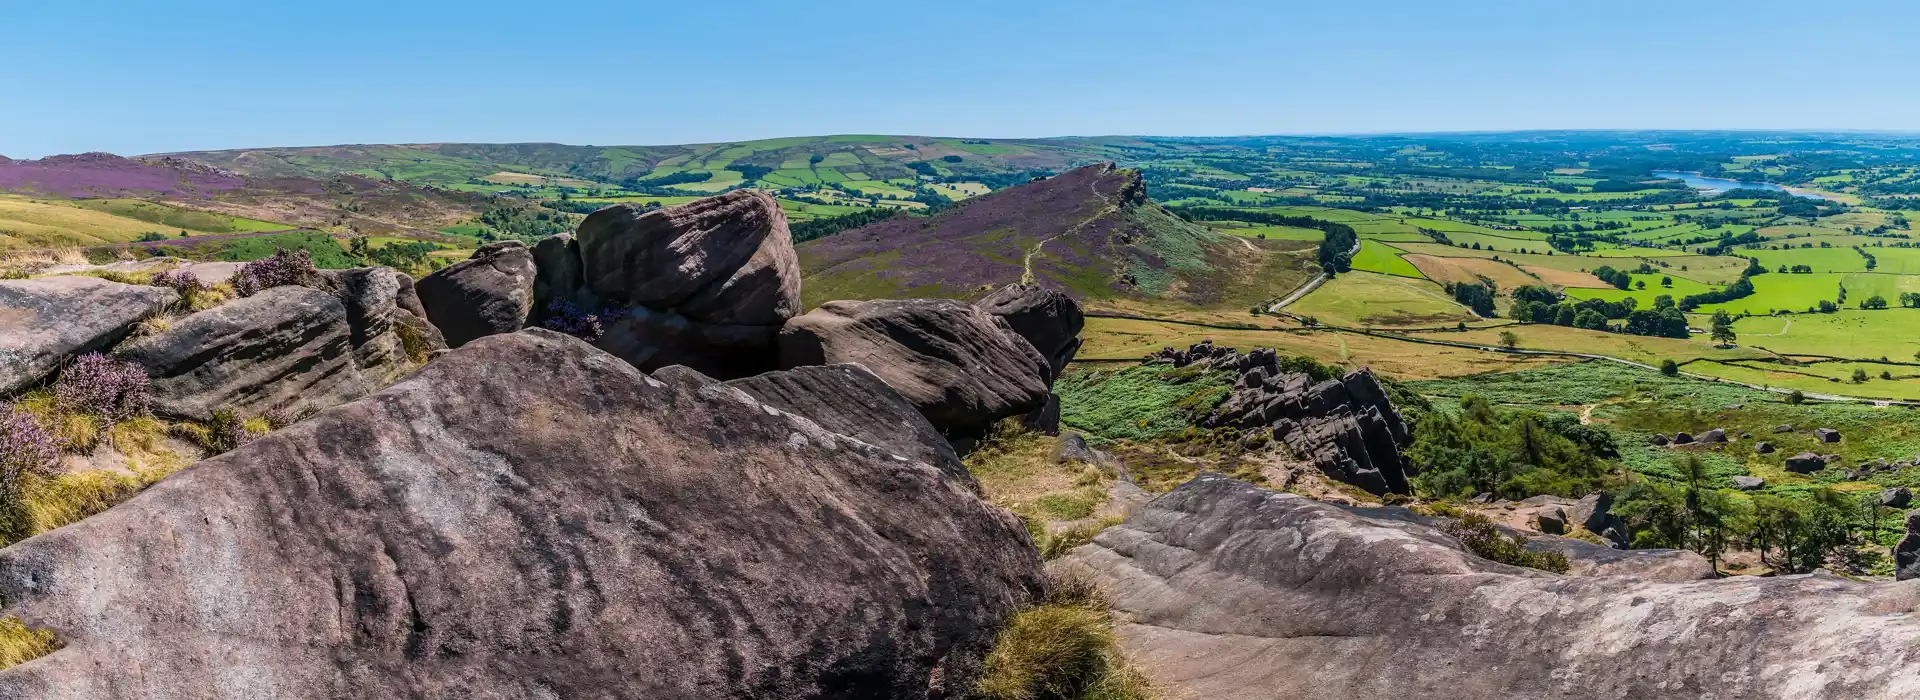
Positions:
{"x": 1311, "y": 285}
{"x": 1783, "y": 330}
{"x": 1026, "y": 262}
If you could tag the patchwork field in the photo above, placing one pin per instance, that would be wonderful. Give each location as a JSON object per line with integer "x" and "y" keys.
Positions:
{"x": 36, "y": 223}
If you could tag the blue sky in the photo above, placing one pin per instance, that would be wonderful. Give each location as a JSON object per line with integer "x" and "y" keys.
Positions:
{"x": 151, "y": 77}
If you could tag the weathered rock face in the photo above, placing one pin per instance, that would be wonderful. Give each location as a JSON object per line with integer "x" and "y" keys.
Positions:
{"x": 380, "y": 323}
{"x": 611, "y": 536}
{"x": 962, "y": 367}
{"x": 1047, "y": 318}
{"x": 1232, "y": 591}
{"x": 1345, "y": 426}
{"x": 1897, "y": 497}
{"x": 1749, "y": 483}
{"x": 1906, "y": 555}
{"x": 849, "y": 400}
{"x": 489, "y": 293}
{"x": 705, "y": 284}
{"x": 45, "y": 321}
{"x": 286, "y": 347}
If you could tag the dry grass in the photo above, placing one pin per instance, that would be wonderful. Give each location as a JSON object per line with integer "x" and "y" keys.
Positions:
{"x": 1062, "y": 650}
{"x": 68, "y": 498}
{"x": 1126, "y": 339}
{"x": 20, "y": 643}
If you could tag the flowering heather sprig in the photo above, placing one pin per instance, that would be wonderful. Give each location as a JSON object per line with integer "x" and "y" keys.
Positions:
{"x": 279, "y": 417}
{"x": 182, "y": 281}
{"x": 102, "y": 386}
{"x": 564, "y": 317}
{"x": 284, "y": 268}
{"x": 26, "y": 447}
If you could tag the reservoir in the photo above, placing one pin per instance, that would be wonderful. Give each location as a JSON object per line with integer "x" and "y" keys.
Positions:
{"x": 1716, "y": 185}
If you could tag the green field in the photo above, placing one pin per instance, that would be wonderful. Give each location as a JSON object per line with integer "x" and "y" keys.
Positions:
{"x": 1375, "y": 256}
{"x": 1370, "y": 299}
{"x": 1776, "y": 292}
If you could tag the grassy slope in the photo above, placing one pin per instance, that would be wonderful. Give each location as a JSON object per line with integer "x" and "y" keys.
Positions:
{"x": 41, "y": 223}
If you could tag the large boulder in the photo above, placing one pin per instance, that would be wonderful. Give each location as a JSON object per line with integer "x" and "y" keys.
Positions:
{"x": 962, "y": 367}
{"x": 528, "y": 517}
{"x": 1896, "y": 497}
{"x": 287, "y": 348}
{"x": 1806, "y": 463}
{"x": 46, "y": 321}
{"x": 1047, "y": 318}
{"x": 1232, "y": 591}
{"x": 488, "y": 293}
{"x": 706, "y": 284}
{"x": 849, "y": 400}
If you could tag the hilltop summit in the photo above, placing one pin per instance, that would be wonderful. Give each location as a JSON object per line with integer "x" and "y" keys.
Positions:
{"x": 1091, "y": 232}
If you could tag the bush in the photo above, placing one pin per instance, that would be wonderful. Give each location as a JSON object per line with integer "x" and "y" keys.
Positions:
{"x": 182, "y": 281}
{"x": 225, "y": 432}
{"x": 564, "y": 317}
{"x": 1670, "y": 368}
{"x": 1796, "y": 398}
{"x": 1483, "y": 538}
{"x": 101, "y": 386}
{"x": 284, "y": 268}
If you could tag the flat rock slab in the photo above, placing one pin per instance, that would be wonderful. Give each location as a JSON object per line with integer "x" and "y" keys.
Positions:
{"x": 528, "y": 517}
{"x": 46, "y": 321}
{"x": 1233, "y": 591}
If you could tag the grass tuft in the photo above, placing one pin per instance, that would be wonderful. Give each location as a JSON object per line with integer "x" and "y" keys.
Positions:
{"x": 1061, "y": 650}
{"x": 20, "y": 643}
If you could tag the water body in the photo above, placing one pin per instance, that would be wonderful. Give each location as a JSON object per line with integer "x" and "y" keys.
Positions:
{"x": 1716, "y": 185}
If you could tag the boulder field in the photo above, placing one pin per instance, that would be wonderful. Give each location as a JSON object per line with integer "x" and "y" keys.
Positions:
{"x": 1233, "y": 591}
{"x": 612, "y": 535}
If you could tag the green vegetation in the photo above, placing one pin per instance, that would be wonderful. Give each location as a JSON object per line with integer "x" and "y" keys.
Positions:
{"x": 1139, "y": 402}
{"x": 20, "y": 643}
{"x": 1481, "y": 537}
{"x": 1061, "y": 649}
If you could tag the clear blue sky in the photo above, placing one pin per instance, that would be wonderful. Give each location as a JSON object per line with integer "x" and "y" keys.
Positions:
{"x": 146, "y": 77}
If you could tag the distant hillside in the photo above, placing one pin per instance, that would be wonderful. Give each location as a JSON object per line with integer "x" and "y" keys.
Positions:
{"x": 96, "y": 198}
{"x": 768, "y": 163}
{"x": 1091, "y": 232}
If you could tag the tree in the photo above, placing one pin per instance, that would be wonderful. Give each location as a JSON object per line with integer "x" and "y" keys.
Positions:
{"x": 1670, "y": 368}
{"x": 1859, "y": 376}
{"x": 1827, "y": 307}
{"x": 1796, "y": 397}
{"x": 1666, "y": 281}
{"x": 1508, "y": 340}
{"x": 1723, "y": 328}
{"x": 1874, "y": 302}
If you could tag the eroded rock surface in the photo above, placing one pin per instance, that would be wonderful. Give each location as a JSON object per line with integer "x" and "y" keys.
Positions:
{"x": 46, "y": 321}
{"x": 706, "y": 284}
{"x": 1238, "y": 592}
{"x": 962, "y": 367}
{"x": 487, "y": 294}
{"x": 609, "y": 536}
{"x": 849, "y": 400}
{"x": 287, "y": 348}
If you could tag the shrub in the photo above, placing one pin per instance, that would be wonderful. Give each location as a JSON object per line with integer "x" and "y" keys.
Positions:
{"x": 182, "y": 281}
{"x": 564, "y": 317}
{"x": 1669, "y": 368}
{"x": 1796, "y": 398}
{"x": 27, "y": 451}
{"x": 225, "y": 432}
{"x": 101, "y": 386}
{"x": 1483, "y": 538}
{"x": 283, "y": 268}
